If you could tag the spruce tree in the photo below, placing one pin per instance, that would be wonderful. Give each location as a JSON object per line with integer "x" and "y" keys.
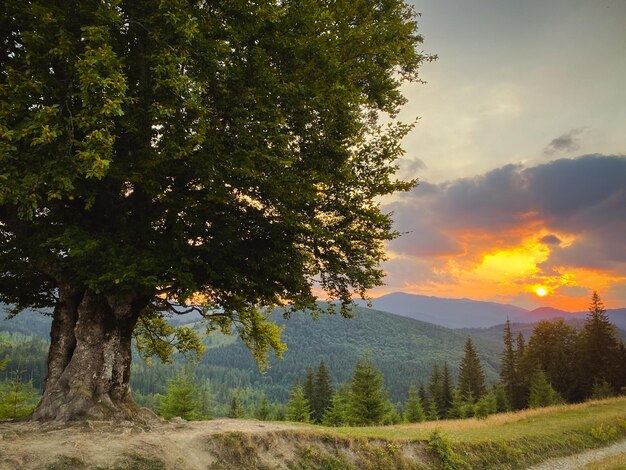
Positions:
{"x": 414, "y": 409}
{"x": 502, "y": 399}
{"x": 309, "y": 385}
{"x": 323, "y": 395}
{"x": 525, "y": 370}
{"x": 600, "y": 347}
{"x": 446, "y": 391}
{"x": 182, "y": 399}
{"x": 368, "y": 398}
{"x": 435, "y": 391}
{"x": 263, "y": 410}
{"x": 423, "y": 397}
{"x": 17, "y": 398}
{"x": 235, "y": 410}
{"x": 338, "y": 413}
{"x": 508, "y": 366}
{"x": 433, "y": 411}
{"x": 298, "y": 405}
{"x": 456, "y": 409}
{"x": 471, "y": 375}
{"x": 541, "y": 392}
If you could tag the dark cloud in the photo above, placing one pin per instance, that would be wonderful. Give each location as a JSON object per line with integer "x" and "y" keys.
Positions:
{"x": 550, "y": 240}
{"x": 566, "y": 142}
{"x": 584, "y": 197}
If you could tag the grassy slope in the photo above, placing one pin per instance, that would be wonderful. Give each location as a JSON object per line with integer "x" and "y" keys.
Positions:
{"x": 506, "y": 441}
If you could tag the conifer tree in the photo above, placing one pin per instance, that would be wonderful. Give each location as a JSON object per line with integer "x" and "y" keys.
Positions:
{"x": 263, "y": 410}
{"x": 508, "y": 366}
{"x": 435, "y": 390}
{"x": 541, "y": 392}
{"x": 600, "y": 347}
{"x": 433, "y": 411}
{"x": 471, "y": 375}
{"x": 525, "y": 370}
{"x": 485, "y": 406}
{"x": 338, "y": 413}
{"x": 456, "y": 409}
{"x": 298, "y": 405}
{"x": 235, "y": 409}
{"x": 414, "y": 409}
{"x": 323, "y": 395}
{"x": 368, "y": 398}
{"x": 182, "y": 399}
{"x": 309, "y": 385}
{"x": 446, "y": 391}
{"x": 502, "y": 399}
{"x": 423, "y": 397}
{"x": 17, "y": 398}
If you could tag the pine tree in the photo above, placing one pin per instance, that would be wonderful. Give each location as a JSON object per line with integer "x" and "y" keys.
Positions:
{"x": 323, "y": 395}
{"x": 338, "y": 413}
{"x": 508, "y": 366}
{"x": 433, "y": 412}
{"x": 502, "y": 399}
{"x": 446, "y": 391}
{"x": 435, "y": 391}
{"x": 423, "y": 397}
{"x": 182, "y": 399}
{"x": 541, "y": 392}
{"x": 414, "y": 409}
{"x": 368, "y": 398}
{"x": 471, "y": 375}
{"x": 525, "y": 370}
{"x": 17, "y": 398}
{"x": 309, "y": 385}
{"x": 263, "y": 410}
{"x": 298, "y": 405}
{"x": 485, "y": 406}
{"x": 600, "y": 347}
{"x": 235, "y": 410}
{"x": 456, "y": 410}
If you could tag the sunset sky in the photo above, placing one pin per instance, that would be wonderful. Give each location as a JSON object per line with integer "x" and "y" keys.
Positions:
{"x": 521, "y": 154}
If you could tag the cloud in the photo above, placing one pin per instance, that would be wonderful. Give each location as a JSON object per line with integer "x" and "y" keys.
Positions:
{"x": 550, "y": 239}
{"x": 567, "y": 142}
{"x": 532, "y": 224}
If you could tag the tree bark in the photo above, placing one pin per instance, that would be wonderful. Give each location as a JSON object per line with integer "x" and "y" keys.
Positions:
{"x": 89, "y": 358}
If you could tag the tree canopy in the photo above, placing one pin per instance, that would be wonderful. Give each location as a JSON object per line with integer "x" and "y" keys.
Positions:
{"x": 229, "y": 154}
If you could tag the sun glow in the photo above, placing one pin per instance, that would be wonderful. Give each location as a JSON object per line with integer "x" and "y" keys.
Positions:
{"x": 541, "y": 291}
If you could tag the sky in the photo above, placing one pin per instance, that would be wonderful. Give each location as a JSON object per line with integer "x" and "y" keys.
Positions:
{"x": 520, "y": 150}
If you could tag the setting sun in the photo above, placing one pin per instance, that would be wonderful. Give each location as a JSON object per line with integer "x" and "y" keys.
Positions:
{"x": 541, "y": 291}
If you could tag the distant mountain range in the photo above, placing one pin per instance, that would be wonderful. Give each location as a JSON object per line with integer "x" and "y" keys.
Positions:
{"x": 466, "y": 313}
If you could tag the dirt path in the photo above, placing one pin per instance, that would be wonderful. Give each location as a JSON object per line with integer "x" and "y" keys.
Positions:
{"x": 580, "y": 460}
{"x": 179, "y": 444}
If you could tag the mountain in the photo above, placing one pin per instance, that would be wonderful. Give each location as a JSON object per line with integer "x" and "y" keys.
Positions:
{"x": 466, "y": 313}
{"x": 402, "y": 348}
{"x": 451, "y": 313}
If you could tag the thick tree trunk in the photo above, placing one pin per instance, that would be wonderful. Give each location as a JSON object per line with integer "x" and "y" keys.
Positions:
{"x": 89, "y": 358}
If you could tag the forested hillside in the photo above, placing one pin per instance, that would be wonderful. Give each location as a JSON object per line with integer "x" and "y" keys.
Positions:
{"x": 403, "y": 349}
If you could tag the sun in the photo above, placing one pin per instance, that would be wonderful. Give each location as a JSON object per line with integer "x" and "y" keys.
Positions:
{"x": 541, "y": 291}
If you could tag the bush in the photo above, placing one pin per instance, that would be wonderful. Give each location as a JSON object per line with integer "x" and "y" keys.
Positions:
{"x": 604, "y": 432}
{"x": 440, "y": 445}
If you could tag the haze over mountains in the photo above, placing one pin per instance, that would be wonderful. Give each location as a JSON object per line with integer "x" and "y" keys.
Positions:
{"x": 466, "y": 313}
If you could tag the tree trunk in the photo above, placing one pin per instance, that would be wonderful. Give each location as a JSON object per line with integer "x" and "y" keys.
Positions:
{"x": 89, "y": 358}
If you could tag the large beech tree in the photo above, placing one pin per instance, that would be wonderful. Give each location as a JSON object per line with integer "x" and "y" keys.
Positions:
{"x": 224, "y": 154}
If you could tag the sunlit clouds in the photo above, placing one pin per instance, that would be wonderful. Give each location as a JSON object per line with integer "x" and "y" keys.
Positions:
{"x": 542, "y": 235}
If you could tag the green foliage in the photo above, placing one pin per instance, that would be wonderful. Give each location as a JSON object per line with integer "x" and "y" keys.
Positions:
{"x": 439, "y": 444}
{"x": 471, "y": 375}
{"x": 542, "y": 393}
{"x": 508, "y": 366}
{"x": 263, "y": 410}
{"x": 184, "y": 399}
{"x": 600, "y": 347}
{"x": 298, "y": 408}
{"x": 602, "y": 390}
{"x": 338, "y": 413}
{"x": 485, "y": 406}
{"x": 604, "y": 432}
{"x": 17, "y": 398}
{"x": 139, "y": 159}
{"x": 414, "y": 409}
{"x": 322, "y": 393}
{"x": 368, "y": 401}
{"x": 236, "y": 410}
{"x": 502, "y": 398}
{"x": 554, "y": 348}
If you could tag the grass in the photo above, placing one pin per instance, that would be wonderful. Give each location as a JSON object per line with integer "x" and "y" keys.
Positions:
{"x": 540, "y": 422}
